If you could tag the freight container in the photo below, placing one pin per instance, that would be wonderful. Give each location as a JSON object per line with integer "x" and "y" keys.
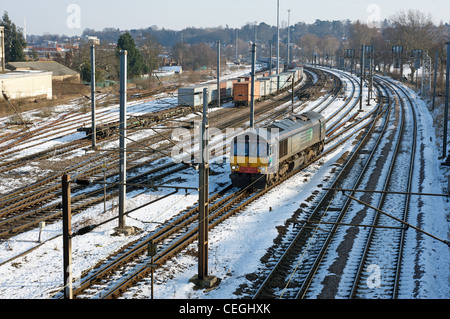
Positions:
{"x": 242, "y": 93}
{"x": 191, "y": 95}
{"x": 285, "y": 80}
{"x": 264, "y": 87}
{"x": 226, "y": 91}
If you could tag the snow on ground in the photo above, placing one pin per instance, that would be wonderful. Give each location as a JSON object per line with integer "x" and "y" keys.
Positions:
{"x": 236, "y": 246}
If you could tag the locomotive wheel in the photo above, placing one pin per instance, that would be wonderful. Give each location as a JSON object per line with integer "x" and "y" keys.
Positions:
{"x": 311, "y": 155}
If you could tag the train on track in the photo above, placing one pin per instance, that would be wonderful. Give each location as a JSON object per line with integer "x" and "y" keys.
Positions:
{"x": 190, "y": 99}
{"x": 238, "y": 90}
{"x": 262, "y": 156}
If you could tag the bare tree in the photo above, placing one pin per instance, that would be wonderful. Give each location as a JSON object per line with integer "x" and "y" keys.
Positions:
{"x": 415, "y": 30}
{"x": 150, "y": 50}
{"x": 360, "y": 33}
{"x": 309, "y": 44}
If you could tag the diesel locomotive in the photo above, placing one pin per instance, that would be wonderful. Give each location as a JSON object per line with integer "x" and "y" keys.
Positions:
{"x": 262, "y": 156}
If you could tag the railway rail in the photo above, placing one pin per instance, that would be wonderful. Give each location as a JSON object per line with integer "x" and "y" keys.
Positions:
{"x": 190, "y": 240}
{"x": 296, "y": 268}
{"x": 277, "y": 280}
{"x": 305, "y": 269}
{"x": 139, "y": 269}
{"x": 33, "y": 200}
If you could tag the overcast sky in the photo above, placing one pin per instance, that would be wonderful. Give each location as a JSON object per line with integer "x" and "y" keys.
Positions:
{"x": 73, "y": 16}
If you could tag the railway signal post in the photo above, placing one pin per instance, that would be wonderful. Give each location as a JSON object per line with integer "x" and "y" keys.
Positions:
{"x": 202, "y": 279}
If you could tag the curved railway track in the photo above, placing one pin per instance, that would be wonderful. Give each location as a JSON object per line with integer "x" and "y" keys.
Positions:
{"x": 221, "y": 210}
{"x": 389, "y": 241}
{"x": 301, "y": 266}
{"x": 216, "y": 218}
{"x": 308, "y": 266}
{"x": 26, "y": 208}
{"x": 278, "y": 281}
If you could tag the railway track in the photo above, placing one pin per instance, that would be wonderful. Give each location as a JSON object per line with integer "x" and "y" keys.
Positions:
{"x": 277, "y": 282}
{"x": 333, "y": 225}
{"x": 219, "y": 211}
{"x": 277, "y": 115}
{"x": 27, "y": 207}
{"x": 131, "y": 263}
{"x": 390, "y": 241}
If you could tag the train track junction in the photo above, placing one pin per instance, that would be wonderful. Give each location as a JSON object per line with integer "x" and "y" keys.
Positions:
{"x": 366, "y": 219}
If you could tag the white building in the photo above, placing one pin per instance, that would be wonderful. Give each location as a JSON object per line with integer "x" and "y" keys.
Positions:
{"x": 26, "y": 84}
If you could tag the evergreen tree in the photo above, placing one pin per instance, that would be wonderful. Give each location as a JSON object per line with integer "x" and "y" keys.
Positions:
{"x": 135, "y": 65}
{"x": 14, "y": 40}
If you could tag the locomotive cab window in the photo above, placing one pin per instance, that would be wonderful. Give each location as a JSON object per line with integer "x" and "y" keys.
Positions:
{"x": 249, "y": 147}
{"x": 263, "y": 150}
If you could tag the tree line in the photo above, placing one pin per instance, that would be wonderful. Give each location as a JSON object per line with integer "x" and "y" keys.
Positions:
{"x": 195, "y": 47}
{"x": 14, "y": 40}
{"x": 412, "y": 30}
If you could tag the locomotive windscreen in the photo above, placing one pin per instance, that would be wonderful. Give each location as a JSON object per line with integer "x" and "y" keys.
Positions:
{"x": 247, "y": 147}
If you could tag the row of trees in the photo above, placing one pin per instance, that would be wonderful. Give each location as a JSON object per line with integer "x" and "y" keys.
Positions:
{"x": 142, "y": 58}
{"x": 14, "y": 40}
{"x": 410, "y": 29}
{"x": 195, "y": 47}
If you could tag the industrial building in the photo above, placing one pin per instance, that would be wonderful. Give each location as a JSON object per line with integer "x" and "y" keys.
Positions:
{"x": 23, "y": 84}
{"x": 26, "y": 84}
{"x": 60, "y": 72}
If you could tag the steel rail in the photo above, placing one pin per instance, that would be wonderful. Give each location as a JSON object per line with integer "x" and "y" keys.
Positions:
{"x": 395, "y": 89}
{"x": 327, "y": 195}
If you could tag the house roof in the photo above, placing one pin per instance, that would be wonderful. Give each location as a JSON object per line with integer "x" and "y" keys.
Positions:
{"x": 51, "y": 66}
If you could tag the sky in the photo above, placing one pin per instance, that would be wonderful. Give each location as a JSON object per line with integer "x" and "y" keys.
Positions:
{"x": 71, "y": 17}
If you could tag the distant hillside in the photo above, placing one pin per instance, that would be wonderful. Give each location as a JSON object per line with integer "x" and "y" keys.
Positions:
{"x": 227, "y": 35}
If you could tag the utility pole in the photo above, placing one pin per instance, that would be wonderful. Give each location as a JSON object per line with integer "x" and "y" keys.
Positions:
{"x": 122, "y": 142}
{"x": 435, "y": 78}
{"x": 2, "y": 49}
{"x": 447, "y": 80}
{"x": 94, "y": 128}
{"x": 218, "y": 74}
{"x": 202, "y": 278}
{"x": 252, "y": 103}
{"x": 369, "y": 50}
{"x": 270, "y": 63}
{"x": 289, "y": 38}
{"x": 67, "y": 235}
{"x": 361, "y": 81}
{"x": 278, "y": 42}
{"x": 237, "y": 45}
{"x": 270, "y": 56}
{"x": 203, "y": 194}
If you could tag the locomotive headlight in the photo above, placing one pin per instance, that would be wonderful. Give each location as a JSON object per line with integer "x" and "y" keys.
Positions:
{"x": 234, "y": 167}
{"x": 262, "y": 169}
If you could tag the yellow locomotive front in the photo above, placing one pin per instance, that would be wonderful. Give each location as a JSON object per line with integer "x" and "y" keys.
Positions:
{"x": 251, "y": 160}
